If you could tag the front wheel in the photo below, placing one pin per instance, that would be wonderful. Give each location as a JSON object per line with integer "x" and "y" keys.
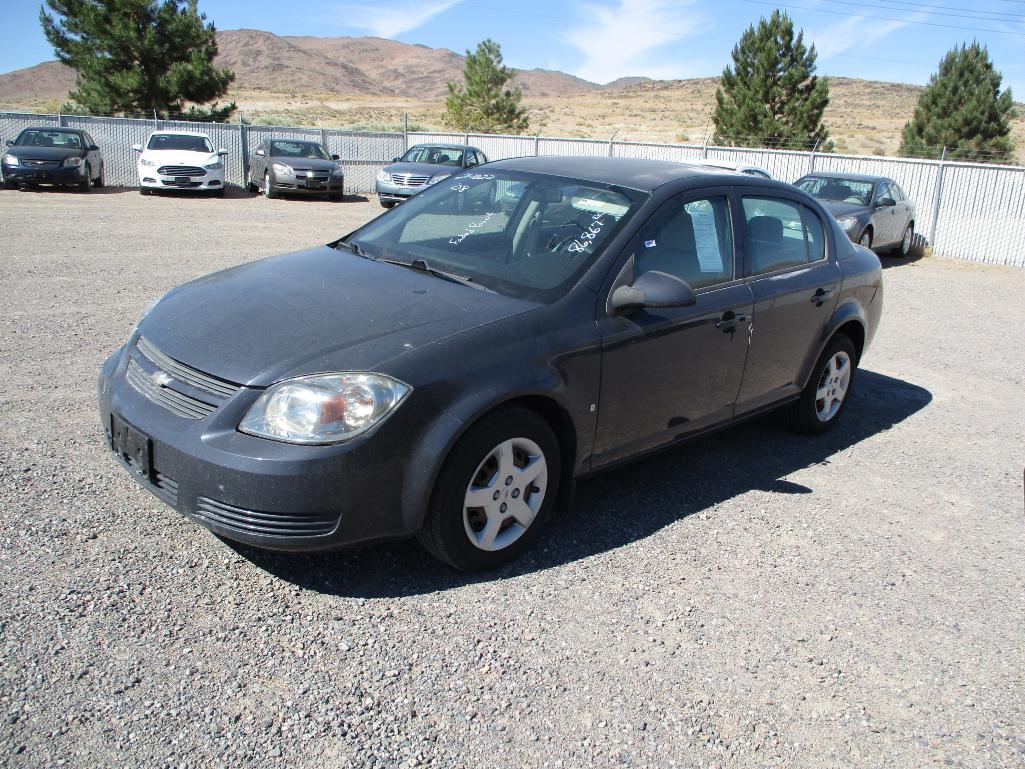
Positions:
{"x": 87, "y": 183}
{"x": 269, "y": 190}
{"x": 494, "y": 492}
{"x": 906, "y": 242}
{"x": 828, "y": 389}
{"x": 387, "y": 203}
{"x": 98, "y": 182}
{"x": 866, "y": 239}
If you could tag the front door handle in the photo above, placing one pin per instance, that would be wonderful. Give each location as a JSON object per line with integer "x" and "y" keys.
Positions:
{"x": 729, "y": 322}
{"x": 821, "y": 296}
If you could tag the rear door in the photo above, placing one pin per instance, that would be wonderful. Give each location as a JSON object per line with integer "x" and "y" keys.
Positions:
{"x": 794, "y": 281}
{"x": 668, "y": 372}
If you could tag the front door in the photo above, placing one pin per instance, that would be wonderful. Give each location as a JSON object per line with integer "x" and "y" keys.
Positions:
{"x": 667, "y": 372}
{"x": 795, "y": 284}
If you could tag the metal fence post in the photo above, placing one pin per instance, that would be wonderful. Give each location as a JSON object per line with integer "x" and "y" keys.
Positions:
{"x": 612, "y": 142}
{"x": 537, "y": 143}
{"x": 937, "y": 195}
{"x": 243, "y": 148}
{"x": 60, "y": 117}
{"x": 405, "y": 132}
{"x": 811, "y": 160}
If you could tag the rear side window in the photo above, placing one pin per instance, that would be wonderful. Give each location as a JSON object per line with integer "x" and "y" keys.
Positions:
{"x": 781, "y": 234}
{"x": 690, "y": 239}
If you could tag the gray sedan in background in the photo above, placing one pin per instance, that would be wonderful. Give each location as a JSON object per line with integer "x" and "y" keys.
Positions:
{"x": 295, "y": 166}
{"x": 872, "y": 210}
{"x": 422, "y": 166}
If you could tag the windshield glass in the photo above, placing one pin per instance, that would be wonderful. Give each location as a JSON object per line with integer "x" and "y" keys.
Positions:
{"x": 439, "y": 156}
{"x": 842, "y": 190}
{"x": 180, "y": 142}
{"x": 519, "y": 234}
{"x": 65, "y": 140}
{"x": 306, "y": 150}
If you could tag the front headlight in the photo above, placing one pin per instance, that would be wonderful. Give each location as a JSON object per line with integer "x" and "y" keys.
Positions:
{"x": 323, "y": 408}
{"x": 281, "y": 168}
{"x": 848, "y": 222}
{"x": 337, "y": 171}
{"x": 11, "y": 160}
{"x": 72, "y": 162}
{"x": 217, "y": 165}
{"x": 147, "y": 163}
{"x": 383, "y": 176}
{"x": 438, "y": 178}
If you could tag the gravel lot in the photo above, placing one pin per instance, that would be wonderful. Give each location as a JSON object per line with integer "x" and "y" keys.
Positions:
{"x": 757, "y": 599}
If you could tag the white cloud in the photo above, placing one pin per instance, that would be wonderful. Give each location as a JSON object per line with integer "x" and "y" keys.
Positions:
{"x": 392, "y": 18}
{"x": 855, "y": 32}
{"x": 620, "y": 39}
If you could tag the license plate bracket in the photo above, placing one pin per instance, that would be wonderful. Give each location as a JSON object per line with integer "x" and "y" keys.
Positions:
{"x": 182, "y": 179}
{"x": 131, "y": 445}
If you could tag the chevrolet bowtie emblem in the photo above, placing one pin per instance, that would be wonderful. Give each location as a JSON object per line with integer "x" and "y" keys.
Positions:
{"x": 160, "y": 378}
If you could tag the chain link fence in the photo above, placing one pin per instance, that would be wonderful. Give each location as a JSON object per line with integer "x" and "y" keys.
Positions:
{"x": 965, "y": 210}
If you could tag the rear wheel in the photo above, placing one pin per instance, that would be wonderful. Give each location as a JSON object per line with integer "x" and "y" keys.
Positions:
{"x": 495, "y": 491}
{"x": 826, "y": 394}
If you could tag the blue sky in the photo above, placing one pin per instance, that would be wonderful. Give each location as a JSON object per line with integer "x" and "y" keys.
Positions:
{"x": 601, "y": 40}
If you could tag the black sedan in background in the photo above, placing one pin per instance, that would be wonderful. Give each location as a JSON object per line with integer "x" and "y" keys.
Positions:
{"x": 421, "y": 166}
{"x": 872, "y": 210}
{"x": 452, "y": 367}
{"x": 295, "y": 166}
{"x": 57, "y": 156}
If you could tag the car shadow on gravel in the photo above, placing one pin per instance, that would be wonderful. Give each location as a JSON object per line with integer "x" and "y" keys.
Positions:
{"x": 620, "y": 506}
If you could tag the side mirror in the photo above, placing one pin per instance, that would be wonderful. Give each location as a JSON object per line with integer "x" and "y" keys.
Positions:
{"x": 10, "y": 142}
{"x": 261, "y": 153}
{"x": 222, "y": 152}
{"x": 137, "y": 147}
{"x": 395, "y": 160}
{"x": 887, "y": 202}
{"x": 93, "y": 148}
{"x": 653, "y": 289}
{"x": 336, "y": 157}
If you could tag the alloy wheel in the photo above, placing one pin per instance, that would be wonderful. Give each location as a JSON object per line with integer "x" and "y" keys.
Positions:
{"x": 505, "y": 494}
{"x": 905, "y": 245}
{"x": 832, "y": 387}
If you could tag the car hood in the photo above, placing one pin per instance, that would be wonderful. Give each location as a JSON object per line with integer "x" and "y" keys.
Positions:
{"x": 312, "y": 312}
{"x": 838, "y": 208}
{"x": 314, "y": 163}
{"x": 25, "y": 152}
{"x": 421, "y": 169}
{"x": 180, "y": 157}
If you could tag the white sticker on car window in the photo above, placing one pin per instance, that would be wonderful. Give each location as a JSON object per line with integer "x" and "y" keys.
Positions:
{"x": 706, "y": 236}
{"x": 649, "y": 244}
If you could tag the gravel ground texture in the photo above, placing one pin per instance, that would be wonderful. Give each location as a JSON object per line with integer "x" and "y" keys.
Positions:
{"x": 755, "y": 599}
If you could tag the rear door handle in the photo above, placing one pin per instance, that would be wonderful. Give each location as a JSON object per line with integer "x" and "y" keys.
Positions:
{"x": 729, "y": 321}
{"x": 821, "y": 296}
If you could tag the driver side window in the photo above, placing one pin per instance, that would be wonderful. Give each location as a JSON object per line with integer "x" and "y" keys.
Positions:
{"x": 689, "y": 239}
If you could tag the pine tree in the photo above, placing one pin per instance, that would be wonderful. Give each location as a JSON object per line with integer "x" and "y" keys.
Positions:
{"x": 962, "y": 109}
{"x": 771, "y": 97}
{"x": 481, "y": 102}
{"x": 139, "y": 56}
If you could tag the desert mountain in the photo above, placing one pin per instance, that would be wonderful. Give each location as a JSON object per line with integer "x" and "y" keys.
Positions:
{"x": 357, "y": 66}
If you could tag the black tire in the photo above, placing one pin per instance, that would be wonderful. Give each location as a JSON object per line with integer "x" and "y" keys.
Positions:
{"x": 444, "y": 534}
{"x": 253, "y": 187}
{"x": 269, "y": 190}
{"x": 907, "y": 241}
{"x": 145, "y": 190}
{"x": 387, "y": 203}
{"x": 866, "y": 238}
{"x": 87, "y": 183}
{"x": 804, "y": 414}
{"x": 334, "y": 197}
{"x": 98, "y": 182}
{"x": 220, "y": 192}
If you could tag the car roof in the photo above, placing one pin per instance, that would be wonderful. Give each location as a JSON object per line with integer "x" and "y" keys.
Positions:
{"x": 853, "y": 177}
{"x": 444, "y": 146}
{"x": 179, "y": 133}
{"x": 52, "y": 128}
{"x": 635, "y": 173}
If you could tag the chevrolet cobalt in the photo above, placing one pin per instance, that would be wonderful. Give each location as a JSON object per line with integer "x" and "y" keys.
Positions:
{"x": 453, "y": 367}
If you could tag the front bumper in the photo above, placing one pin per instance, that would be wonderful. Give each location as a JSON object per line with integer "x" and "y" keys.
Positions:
{"x": 32, "y": 174}
{"x": 313, "y": 184}
{"x": 397, "y": 192}
{"x": 260, "y": 492}
{"x": 150, "y": 179}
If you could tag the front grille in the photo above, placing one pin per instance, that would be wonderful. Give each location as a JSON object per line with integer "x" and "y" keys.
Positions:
{"x": 166, "y": 488}
{"x": 180, "y": 185}
{"x": 172, "y": 400}
{"x": 181, "y": 171}
{"x": 267, "y": 524}
{"x": 409, "y": 180}
{"x": 184, "y": 373}
{"x": 317, "y": 176}
{"x": 41, "y": 163}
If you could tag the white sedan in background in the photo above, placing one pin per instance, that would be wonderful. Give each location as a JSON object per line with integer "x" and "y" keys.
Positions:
{"x": 729, "y": 165}
{"x": 180, "y": 160}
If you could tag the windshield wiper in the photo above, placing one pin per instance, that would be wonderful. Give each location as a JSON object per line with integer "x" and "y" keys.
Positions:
{"x": 354, "y": 247}
{"x": 421, "y": 266}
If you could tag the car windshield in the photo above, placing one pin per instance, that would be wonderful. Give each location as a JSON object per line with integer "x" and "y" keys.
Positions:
{"x": 65, "y": 140}
{"x": 439, "y": 156}
{"x": 525, "y": 235}
{"x": 841, "y": 190}
{"x": 180, "y": 142}
{"x": 307, "y": 150}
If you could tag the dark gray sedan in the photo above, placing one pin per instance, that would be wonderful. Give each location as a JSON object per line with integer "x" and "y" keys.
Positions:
{"x": 421, "y": 166}
{"x": 58, "y": 156}
{"x": 454, "y": 366}
{"x": 295, "y": 166}
{"x": 872, "y": 210}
